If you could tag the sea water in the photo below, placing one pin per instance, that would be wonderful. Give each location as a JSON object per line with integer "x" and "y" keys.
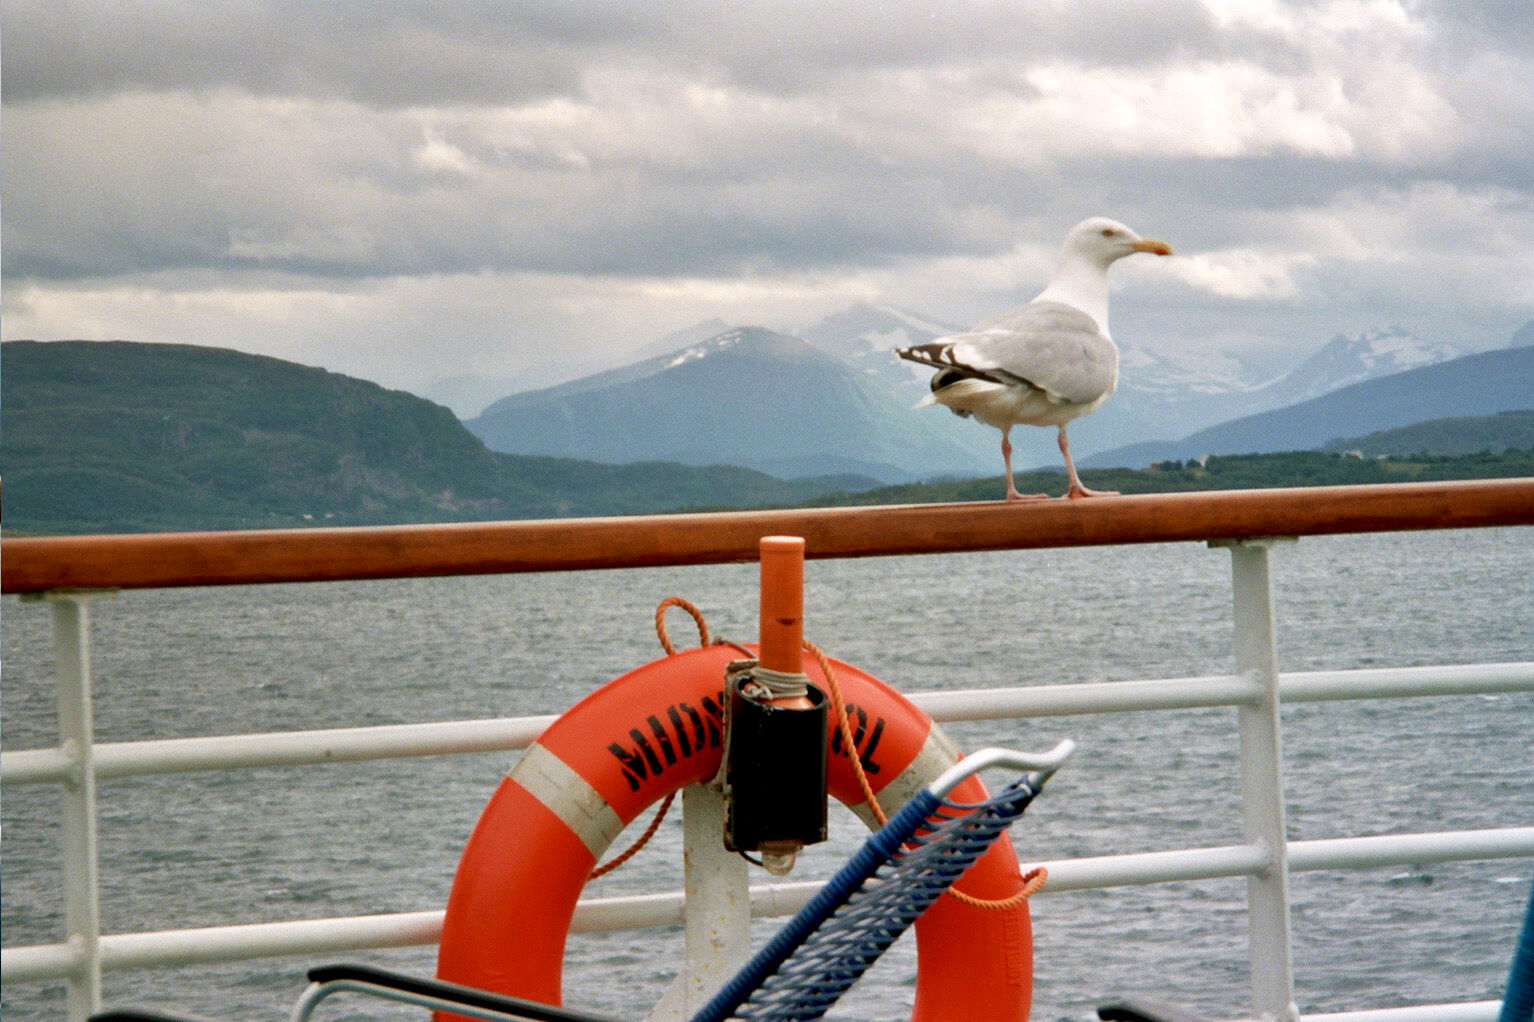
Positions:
{"x": 279, "y": 844}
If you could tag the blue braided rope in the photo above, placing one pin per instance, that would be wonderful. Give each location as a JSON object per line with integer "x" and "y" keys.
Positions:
{"x": 901, "y": 869}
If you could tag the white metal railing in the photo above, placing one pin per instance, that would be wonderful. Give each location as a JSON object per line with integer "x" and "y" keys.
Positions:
{"x": 1266, "y": 857}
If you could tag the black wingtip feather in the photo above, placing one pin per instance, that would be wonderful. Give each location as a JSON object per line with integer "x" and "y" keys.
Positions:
{"x": 926, "y": 354}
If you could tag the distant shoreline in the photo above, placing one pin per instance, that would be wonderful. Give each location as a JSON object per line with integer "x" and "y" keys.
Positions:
{"x": 1233, "y": 472}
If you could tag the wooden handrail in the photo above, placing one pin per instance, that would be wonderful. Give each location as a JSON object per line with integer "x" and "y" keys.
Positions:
{"x": 37, "y": 564}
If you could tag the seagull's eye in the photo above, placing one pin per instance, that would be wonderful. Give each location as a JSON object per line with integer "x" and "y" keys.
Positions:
{"x": 1107, "y": 232}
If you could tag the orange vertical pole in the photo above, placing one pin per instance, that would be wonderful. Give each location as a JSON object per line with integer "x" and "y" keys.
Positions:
{"x": 782, "y": 623}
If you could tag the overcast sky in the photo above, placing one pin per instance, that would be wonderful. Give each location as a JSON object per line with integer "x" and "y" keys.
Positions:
{"x": 408, "y": 191}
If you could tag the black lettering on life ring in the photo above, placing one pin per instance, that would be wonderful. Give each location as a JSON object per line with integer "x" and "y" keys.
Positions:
{"x": 685, "y": 731}
{"x": 858, "y": 717}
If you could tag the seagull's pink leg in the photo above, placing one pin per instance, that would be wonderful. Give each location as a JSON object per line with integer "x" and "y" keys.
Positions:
{"x": 1077, "y": 490}
{"x": 1006, "y": 457}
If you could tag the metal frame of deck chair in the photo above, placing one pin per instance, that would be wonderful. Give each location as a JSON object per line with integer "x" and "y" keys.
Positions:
{"x": 819, "y": 953}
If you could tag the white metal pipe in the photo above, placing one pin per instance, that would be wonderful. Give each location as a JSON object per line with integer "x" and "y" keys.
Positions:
{"x": 336, "y": 745}
{"x": 1154, "y": 868}
{"x": 1089, "y": 697}
{"x": 31, "y": 766}
{"x": 1262, "y": 785}
{"x": 39, "y": 962}
{"x": 297, "y": 748}
{"x": 1465, "y": 1011}
{"x": 774, "y": 901}
{"x": 211, "y": 944}
{"x": 630, "y": 912}
{"x": 716, "y": 914}
{"x": 284, "y": 748}
{"x": 1402, "y": 682}
{"x": 266, "y": 940}
{"x": 78, "y": 838}
{"x": 1401, "y": 849}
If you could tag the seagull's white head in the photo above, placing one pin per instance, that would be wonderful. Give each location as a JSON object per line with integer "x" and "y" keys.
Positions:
{"x": 1081, "y": 275}
{"x": 1101, "y": 241}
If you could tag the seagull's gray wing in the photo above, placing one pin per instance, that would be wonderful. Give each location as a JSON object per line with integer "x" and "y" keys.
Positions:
{"x": 1055, "y": 347}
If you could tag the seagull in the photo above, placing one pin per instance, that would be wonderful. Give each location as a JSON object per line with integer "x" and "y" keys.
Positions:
{"x": 1046, "y": 363}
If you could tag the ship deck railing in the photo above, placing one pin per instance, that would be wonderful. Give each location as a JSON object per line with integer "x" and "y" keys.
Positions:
{"x": 70, "y": 572}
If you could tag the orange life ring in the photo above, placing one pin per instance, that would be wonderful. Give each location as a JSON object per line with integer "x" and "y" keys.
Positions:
{"x": 650, "y": 733}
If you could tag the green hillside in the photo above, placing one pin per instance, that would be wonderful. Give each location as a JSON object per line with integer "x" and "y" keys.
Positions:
{"x": 117, "y": 436}
{"x": 1456, "y": 436}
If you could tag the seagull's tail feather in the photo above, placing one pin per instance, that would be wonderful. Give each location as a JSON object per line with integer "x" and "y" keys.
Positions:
{"x": 934, "y": 354}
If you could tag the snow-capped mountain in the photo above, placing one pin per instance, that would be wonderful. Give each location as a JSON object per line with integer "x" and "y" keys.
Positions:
{"x": 1159, "y": 399}
{"x": 1472, "y": 385}
{"x": 1152, "y": 374}
{"x": 1344, "y": 361}
{"x": 686, "y": 337}
{"x": 747, "y": 396}
{"x": 835, "y": 398}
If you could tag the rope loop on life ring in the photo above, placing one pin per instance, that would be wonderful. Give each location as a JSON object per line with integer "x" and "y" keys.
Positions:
{"x": 660, "y": 622}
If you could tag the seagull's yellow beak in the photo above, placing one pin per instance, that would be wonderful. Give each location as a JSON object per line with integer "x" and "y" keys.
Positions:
{"x": 1153, "y": 246}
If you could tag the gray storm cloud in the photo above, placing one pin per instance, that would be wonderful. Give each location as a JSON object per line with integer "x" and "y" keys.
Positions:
{"x": 294, "y": 177}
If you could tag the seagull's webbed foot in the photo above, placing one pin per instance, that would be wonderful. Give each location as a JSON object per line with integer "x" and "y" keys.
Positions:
{"x": 1012, "y": 494}
{"x": 1078, "y": 491}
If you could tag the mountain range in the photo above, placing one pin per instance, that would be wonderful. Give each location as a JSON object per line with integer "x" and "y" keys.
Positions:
{"x": 746, "y": 396}
{"x": 834, "y": 398}
{"x": 1158, "y": 398}
{"x": 119, "y": 437}
{"x": 1473, "y": 385}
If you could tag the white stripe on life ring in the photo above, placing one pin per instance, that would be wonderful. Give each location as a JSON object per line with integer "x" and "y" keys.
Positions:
{"x": 568, "y": 796}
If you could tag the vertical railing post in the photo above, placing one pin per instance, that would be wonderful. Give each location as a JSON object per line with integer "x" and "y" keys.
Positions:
{"x": 82, "y": 918}
{"x": 1262, "y": 784}
{"x": 716, "y": 915}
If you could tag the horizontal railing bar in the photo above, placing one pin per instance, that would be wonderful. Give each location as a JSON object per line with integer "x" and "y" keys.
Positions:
{"x": 298, "y": 748}
{"x": 212, "y": 944}
{"x": 281, "y": 748}
{"x": 1085, "y": 697}
{"x": 38, "y": 962}
{"x": 357, "y": 933}
{"x": 1154, "y": 868}
{"x": 1304, "y": 856}
{"x": 31, "y": 766}
{"x": 1399, "y": 682}
{"x": 1224, "y": 690}
{"x": 1403, "y": 849}
{"x": 37, "y": 564}
{"x": 1464, "y": 1011}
